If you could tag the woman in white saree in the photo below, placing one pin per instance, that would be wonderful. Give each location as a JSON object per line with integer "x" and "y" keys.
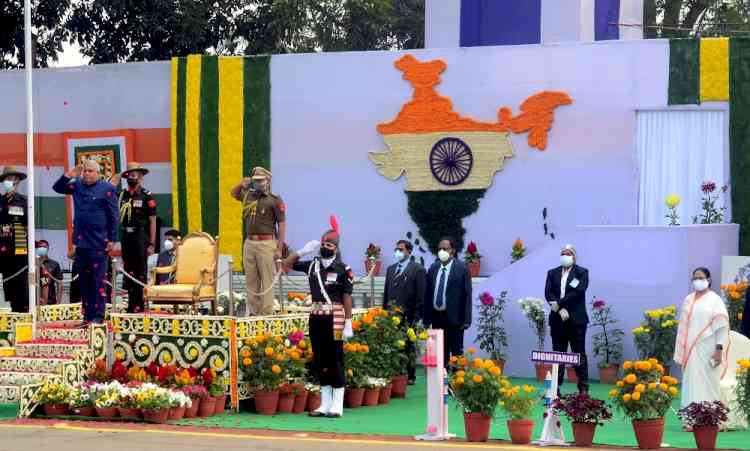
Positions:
{"x": 702, "y": 341}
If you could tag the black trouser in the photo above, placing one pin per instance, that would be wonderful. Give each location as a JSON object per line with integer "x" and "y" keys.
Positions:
{"x": 453, "y": 335}
{"x": 574, "y": 335}
{"x": 91, "y": 264}
{"x": 134, "y": 247}
{"x": 328, "y": 354}
{"x": 16, "y": 290}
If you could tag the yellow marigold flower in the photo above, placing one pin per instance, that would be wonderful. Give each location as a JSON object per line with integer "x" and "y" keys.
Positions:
{"x": 614, "y": 393}
{"x": 653, "y": 361}
{"x": 166, "y": 357}
{"x": 477, "y": 378}
{"x": 636, "y": 396}
{"x": 364, "y": 348}
{"x": 349, "y": 372}
{"x": 645, "y": 366}
{"x": 630, "y": 378}
{"x": 278, "y": 340}
{"x": 471, "y": 351}
{"x": 269, "y": 351}
{"x": 478, "y": 362}
{"x": 396, "y": 320}
{"x": 463, "y": 361}
{"x": 460, "y": 373}
{"x": 276, "y": 369}
{"x": 245, "y": 352}
{"x": 663, "y": 387}
{"x": 495, "y": 371}
{"x": 295, "y": 355}
{"x": 529, "y": 389}
{"x": 626, "y": 365}
{"x": 659, "y": 368}
{"x": 400, "y": 343}
{"x": 673, "y": 391}
{"x": 652, "y": 386}
{"x": 423, "y": 335}
{"x": 640, "y": 388}
{"x": 453, "y": 359}
{"x": 620, "y": 384}
{"x": 672, "y": 200}
{"x": 626, "y": 397}
{"x": 458, "y": 381}
{"x": 280, "y": 357}
{"x": 488, "y": 364}
{"x": 744, "y": 364}
{"x": 247, "y": 361}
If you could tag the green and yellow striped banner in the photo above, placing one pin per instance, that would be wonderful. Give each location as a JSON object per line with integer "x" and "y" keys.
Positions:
{"x": 698, "y": 70}
{"x": 221, "y": 129}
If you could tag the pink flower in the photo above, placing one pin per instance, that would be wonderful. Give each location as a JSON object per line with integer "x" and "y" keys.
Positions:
{"x": 471, "y": 248}
{"x": 296, "y": 337}
{"x": 708, "y": 187}
{"x": 486, "y": 298}
{"x": 598, "y": 304}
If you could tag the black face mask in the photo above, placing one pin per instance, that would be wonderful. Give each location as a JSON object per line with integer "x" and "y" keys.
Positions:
{"x": 327, "y": 253}
{"x": 132, "y": 182}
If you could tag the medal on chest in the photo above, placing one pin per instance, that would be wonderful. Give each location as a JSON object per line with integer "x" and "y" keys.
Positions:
{"x": 331, "y": 278}
{"x": 137, "y": 203}
{"x": 15, "y": 211}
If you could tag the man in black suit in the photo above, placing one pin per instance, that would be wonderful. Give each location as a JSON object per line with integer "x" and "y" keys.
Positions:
{"x": 565, "y": 291}
{"x": 448, "y": 298}
{"x": 404, "y": 288}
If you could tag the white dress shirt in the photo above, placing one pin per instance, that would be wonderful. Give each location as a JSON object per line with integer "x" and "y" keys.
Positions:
{"x": 445, "y": 287}
{"x": 564, "y": 281}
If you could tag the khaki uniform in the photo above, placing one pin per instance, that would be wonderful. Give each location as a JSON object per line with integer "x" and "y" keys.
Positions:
{"x": 261, "y": 213}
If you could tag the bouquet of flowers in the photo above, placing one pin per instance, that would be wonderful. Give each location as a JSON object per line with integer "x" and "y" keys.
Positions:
{"x": 518, "y": 251}
{"x": 372, "y": 251}
{"x": 476, "y": 383}
{"x": 151, "y": 397}
{"x": 108, "y": 395}
{"x": 705, "y": 413}
{"x": 607, "y": 340}
{"x": 195, "y": 391}
{"x": 178, "y": 398}
{"x": 533, "y": 308}
{"x": 645, "y": 393}
{"x": 472, "y": 253}
{"x": 80, "y": 395}
{"x": 375, "y": 382}
{"x": 734, "y": 298}
{"x": 656, "y": 335}
{"x": 710, "y": 213}
{"x": 582, "y": 408}
{"x": 491, "y": 336}
{"x": 743, "y": 388}
{"x": 313, "y": 389}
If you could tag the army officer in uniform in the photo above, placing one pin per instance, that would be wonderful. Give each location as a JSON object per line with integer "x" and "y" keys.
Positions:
{"x": 137, "y": 232}
{"x": 14, "y": 240}
{"x": 331, "y": 317}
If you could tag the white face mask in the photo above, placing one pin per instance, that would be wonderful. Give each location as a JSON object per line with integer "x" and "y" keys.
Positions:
{"x": 327, "y": 261}
{"x": 566, "y": 261}
{"x": 399, "y": 255}
{"x": 8, "y": 185}
{"x": 444, "y": 255}
{"x": 168, "y": 245}
{"x": 700, "y": 284}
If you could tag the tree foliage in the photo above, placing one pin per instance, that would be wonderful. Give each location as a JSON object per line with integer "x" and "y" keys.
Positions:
{"x": 48, "y": 32}
{"x": 690, "y": 18}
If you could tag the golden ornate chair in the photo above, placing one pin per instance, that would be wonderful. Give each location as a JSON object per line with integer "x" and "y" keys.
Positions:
{"x": 194, "y": 269}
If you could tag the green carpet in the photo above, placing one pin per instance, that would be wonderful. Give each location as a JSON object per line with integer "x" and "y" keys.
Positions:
{"x": 8, "y": 411}
{"x": 407, "y": 417}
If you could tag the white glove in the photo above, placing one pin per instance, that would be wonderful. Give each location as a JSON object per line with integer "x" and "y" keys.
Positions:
{"x": 554, "y": 306}
{"x": 348, "y": 331}
{"x": 564, "y": 314}
{"x": 309, "y": 248}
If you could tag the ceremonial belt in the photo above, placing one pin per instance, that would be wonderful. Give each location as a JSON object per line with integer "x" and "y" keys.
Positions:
{"x": 267, "y": 237}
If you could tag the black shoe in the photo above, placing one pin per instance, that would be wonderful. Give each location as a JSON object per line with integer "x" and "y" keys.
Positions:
{"x": 412, "y": 381}
{"x": 333, "y": 415}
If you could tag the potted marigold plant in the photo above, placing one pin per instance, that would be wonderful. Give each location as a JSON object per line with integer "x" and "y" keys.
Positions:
{"x": 154, "y": 402}
{"x": 264, "y": 369}
{"x": 518, "y": 402}
{"x": 704, "y": 419}
{"x": 54, "y": 398}
{"x": 607, "y": 340}
{"x": 415, "y": 336}
{"x": 355, "y": 361}
{"x": 656, "y": 336}
{"x": 585, "y": 413}
{"x": 734, "y": 298}
{"x": 742, "y": 389}
{"x": 491, "y": 336}
{"x": 518, "y": 251}
{"x": 473, "y": 259}
{"x": 533, "y": 309}
{"x": 476, "y": 385}
{"x": 372, "y": 261}
{"x": 645, "y": 394}
{"x": 381, "y": 331}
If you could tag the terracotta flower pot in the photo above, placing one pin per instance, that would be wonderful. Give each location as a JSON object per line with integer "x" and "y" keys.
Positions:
{"x": 378, "y": 265}
{"x": 208, "y": 405}
{"x": 286, "y": 403}
{"x": 583, "y": 433}
{"x": 649, "y": 433}
{"x": 106, "y": 412}
{"x": 313, "y": 401}
{"x": 221, "y": 404}
{"x": 55, "y": 409}
{"x": 300, "y": 402}
{"x": 608, "y": 375}
{"x": 571, "y": 373}
{"x": 474, "y": 268}
{"x": 520, "y": 431}
{"x": 129, "y": 413}
{"x": 667, "y": 370}
{"x": 372, "y": 396}
{"x": 177, "y": 413}
{"x": 354, "y": 397}
{"x": 266, "y": 402}
{"x": 399, "y": 384}
{"x": 541, "y": 371}
{"x": 477, "y": 427}
{"x": 705, "y": 436}
{"x": 192, "y": 411}
{"x": 385, "y": 394}
{"x": 156, "y": 416}
{"x": 87, "y": 411}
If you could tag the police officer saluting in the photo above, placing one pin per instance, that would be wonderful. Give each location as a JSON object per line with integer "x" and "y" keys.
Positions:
{"x": 137, "y": 232}
{"x": 14, "y": 240}
{"x": 331, "y": 316}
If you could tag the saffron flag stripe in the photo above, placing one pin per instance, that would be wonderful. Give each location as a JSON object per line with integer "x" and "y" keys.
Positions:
{"x": 209, "y": 144}
{"x": 714, "y": 69}
{"x": 231, "y": 135}
{"x": 192, "y": 144}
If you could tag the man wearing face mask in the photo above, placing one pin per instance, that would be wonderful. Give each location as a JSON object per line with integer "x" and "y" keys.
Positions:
{"x": 331, "y": 283}
{"x": 137, "y": 231}
{"x": 565, "y": 290}
{"x": 404, "y": 288}
{"x": 264, "y": 214}
{"x": 14, "y": 240}
{"x": 167, "y": 256}
{"x": 448, "y": 298}
{"x": 49, "y": 273}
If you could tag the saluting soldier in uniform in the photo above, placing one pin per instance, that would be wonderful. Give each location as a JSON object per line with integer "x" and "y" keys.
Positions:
{"x": 331, "y": 283}
{"x": 14, "y": 240}
{"x": 137, "y": 232}
{"x": 265, "y": 219}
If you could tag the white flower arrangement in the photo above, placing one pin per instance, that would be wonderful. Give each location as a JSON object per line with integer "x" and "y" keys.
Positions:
{"x": 312, "y": 388}
{"x": 80, "y": 396}
{"x": 375, "y": 382}
{"x": 533, "y": 309}
{"x": 179, "y": 399}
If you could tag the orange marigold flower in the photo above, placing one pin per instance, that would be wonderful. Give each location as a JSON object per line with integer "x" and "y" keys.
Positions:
{"x": 477, "y": 378}
{"x": 276, "y": 369}
{"x": 269, "y": 351}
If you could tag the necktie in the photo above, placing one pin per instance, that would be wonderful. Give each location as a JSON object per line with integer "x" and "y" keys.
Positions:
{"x": 398, "y": 270}
{"x": 439, "y": 301}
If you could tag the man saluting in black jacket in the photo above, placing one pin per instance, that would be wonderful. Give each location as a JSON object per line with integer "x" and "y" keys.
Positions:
{"x": 565, "y": 291}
